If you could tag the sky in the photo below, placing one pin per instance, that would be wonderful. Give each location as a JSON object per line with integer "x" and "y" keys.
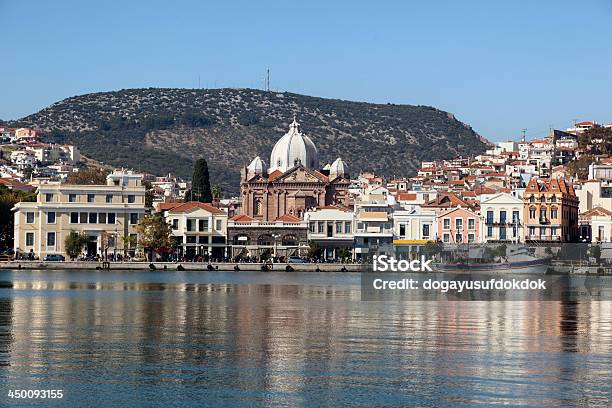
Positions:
{"x": 499, "y": 66}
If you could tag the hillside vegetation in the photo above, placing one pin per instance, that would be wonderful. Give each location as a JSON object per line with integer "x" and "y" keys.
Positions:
{"x": 166, "y": 130}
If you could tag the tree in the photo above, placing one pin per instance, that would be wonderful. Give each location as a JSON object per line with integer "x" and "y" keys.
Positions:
{"x": 343, "y": 253}
{"x": 597, "y": 140}
{"x": 154, "y": 234}
{"x": 8, "y": 199}
{"x": 596, "y": 253}
{"x": 314, "y": 250}
{"x": 89, "y": 176}
{"x": 200, "y": 182}
{"x": 580, "y": 167}
{"x": 74, "y": 244}
{"x": 217, "y": 192}
{"x": 433, "y": 248}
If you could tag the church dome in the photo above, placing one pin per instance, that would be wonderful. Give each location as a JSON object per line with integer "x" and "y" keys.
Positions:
{"x": 290, "y": 148}
{"x": 338, "y": 169}
{"x": 256, "y": 166}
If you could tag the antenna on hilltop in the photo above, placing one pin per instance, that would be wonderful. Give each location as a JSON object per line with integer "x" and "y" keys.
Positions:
{"x": 523, "y": 131}
{"x": 268, "y": 80}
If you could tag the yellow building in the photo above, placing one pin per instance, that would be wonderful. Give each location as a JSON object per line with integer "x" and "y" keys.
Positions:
{"x": 107, "y": 214}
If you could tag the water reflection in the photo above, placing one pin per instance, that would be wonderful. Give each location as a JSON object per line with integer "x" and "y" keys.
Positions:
{"x": 292, "y": 339}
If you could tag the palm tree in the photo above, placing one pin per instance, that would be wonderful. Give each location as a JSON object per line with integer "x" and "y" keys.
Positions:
{"x": 217, "y": 191}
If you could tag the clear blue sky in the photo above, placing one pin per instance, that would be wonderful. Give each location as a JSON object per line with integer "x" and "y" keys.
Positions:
{"x": 498, "y": 65}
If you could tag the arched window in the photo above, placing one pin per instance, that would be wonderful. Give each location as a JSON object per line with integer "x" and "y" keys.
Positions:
{"x": 553, "y": 199}
{"x": 532, "y": 212}
{"x": 258, "y": 207}
{"x": 290, "y": 240}
{"x": 542, "y": 199}
{"x": 532, "y": 199}
{"x": 553, "y": 212}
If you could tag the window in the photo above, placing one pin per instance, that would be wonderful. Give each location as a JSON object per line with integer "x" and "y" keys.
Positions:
{"x": 402, "y": 230}
{"x": 190, "y": 226}
{"x": 202, "y": 240}
{"x": 532, "y": 212}
{"x": 458, "y": 223}
{"x": 131, "y": 199}
{"x": 531, "y": 231}
{"x": 133, "y": 218}
{"x": 29, "y": 239}
{"x": 93, "y": 218}
{"x": 91, "y": 198}
{"x": 109, "y": 198}
{"x": 320, "y": 227}
{"x": 72, "y": 198}
{"x": 48, "y": 197}
{"x": 553, "y": 199}
{"x": 515, "y": 217}
{"x": 489, "y": 217}
{"x": 446, "y": 238}
{"x": 312, "y": 226}
{"x": 102, "y": 218}
{"x": 191, "y": 239}
{"x": 347, "y": 227}
{"x": 542, "y": 213}
{"x": 471, "y": 224}
{"x": 543, "y": 231}
{"x": 553, "y": 213}
{"x": 111, "y": 218}
{"x": 470, "y": 237}
{"x": 258, "y": 207}
{"x": 29, "y": 218}
{"x": 202, "y": 225}
{"x": 489, "y": 231}
{"x": 51, "y": 217}
{"x": 219, "y": 225}
{"x": 83, "y": 218}
{"x": 425, "y": 230}
{"x": 446, "y": 223}
{"x": 502, "y": 217}
{"x": 542, "y": 199}
{"x": 51, "y": 239}
{"x": 74, "y": 217}
{"x": 174, "y": 224}
{"x": 458, "y": 238}
{"x": 553, "y": 231}
{"x": 532, "y": 199}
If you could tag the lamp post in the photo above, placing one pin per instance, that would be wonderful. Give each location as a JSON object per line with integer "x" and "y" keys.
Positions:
{"x": 275, "y": 236}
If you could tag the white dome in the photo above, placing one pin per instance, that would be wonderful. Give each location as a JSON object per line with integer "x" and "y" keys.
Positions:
{"x": 338, "y": 169}
{"x": 293, "y": 146}
{"x": 327, "y": 166}
{"x": 256, "y": 166}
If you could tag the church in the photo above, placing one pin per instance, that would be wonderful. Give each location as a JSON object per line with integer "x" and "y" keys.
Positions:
{"x": 293, "y": 182}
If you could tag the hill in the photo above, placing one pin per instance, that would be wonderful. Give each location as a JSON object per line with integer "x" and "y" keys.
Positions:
{"x": 166, "y": 130}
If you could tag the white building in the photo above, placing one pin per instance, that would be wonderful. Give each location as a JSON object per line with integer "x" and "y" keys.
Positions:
{"x": 331, "y": 228}
{"x": 502, "y": 218}
{"x": 412, "y": 229}
{"x": 198, "y": 229}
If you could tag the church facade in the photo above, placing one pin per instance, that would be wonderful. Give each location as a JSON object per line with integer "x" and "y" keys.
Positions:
{"x": 293, "y": 183}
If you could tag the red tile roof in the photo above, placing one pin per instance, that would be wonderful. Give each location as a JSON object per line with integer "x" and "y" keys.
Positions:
{"x": 192, "y": 205}
{"x": 288, "y": 218}
{"x": 242, "y": 218}
{"x": 406, "y": 196}
{"x": 274, "y": 175}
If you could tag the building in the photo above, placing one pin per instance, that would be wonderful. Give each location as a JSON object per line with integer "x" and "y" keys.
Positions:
{"x": 331, "y": 228}
{"x": 413, "y": 229}
{"x": 198, "y": 229}
{"x": 503, "y": 218}
{"x": 293, "y": 183}
{"x": 596, "y": 225}
{"x": 107, "y": 214}
{"x": 550, "y": 211}
{"x": 255, "y": 239}
{"x": 459, "y": 225}
{"x": 374, "y": 229}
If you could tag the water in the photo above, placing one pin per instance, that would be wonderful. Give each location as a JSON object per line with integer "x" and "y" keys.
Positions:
{"x": 299, "y": 339}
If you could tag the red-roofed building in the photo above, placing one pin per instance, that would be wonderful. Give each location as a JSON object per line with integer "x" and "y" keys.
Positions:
{"x": 550, "y": 211}
{"x": 198, "y": 229}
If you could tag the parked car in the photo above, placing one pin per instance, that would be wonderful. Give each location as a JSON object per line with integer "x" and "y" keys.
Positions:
{"x": 55, "y": 258}
{"x": 296, "y": 259}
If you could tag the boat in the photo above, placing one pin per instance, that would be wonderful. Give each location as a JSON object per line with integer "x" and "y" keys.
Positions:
{"x": 516, "y": 261}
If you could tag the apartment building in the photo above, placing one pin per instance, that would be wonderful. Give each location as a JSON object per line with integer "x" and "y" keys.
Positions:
{"x": 107, "y": 214}
{"x": 550, "y": 211}
{"x": 458, "y": 226}
{"x": 413, "y": 229}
